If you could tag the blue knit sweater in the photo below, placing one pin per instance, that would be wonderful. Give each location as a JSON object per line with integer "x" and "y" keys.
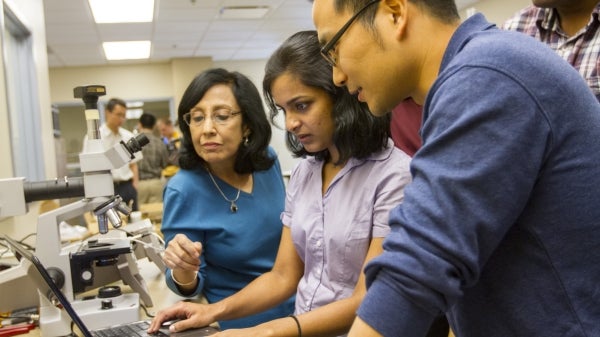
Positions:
{"x": 237, "y": 247}
{"x": 500, "y": 227}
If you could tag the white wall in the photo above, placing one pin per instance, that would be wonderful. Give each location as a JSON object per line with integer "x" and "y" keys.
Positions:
{"x": 31, "y": 13}
{"x": 497, "y": 11}
{"x": 6, "y": 169}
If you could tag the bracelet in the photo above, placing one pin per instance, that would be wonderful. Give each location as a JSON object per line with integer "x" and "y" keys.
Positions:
{"x": 297, "y": 324}
{"x": 183, "y": 284}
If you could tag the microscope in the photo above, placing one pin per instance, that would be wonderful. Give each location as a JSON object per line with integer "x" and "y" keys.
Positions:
{"x": 108, "y": 257}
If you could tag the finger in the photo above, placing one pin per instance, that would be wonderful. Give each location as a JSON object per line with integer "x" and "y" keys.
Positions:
{"x": 181, "y": 240}
{"x": 170, "y": 313}
{"x": 191, "y": 248}
{"x": 172, "y": 260}
{"x": 184, "y": 249}
{"x": 181, "y": 325}
{"x": 157, "y": 322}
{"x": 181, "y": 249}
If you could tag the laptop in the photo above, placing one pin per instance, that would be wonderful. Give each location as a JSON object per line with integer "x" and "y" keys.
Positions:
{"x": 133, "y": 329}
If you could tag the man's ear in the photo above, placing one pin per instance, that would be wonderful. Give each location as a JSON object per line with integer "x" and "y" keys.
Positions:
{"x": 395, "y": 12}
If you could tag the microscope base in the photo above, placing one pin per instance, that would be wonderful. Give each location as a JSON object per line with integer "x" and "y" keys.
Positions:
{"x": 126, "y": 308}
{"x": 56, "y": 322}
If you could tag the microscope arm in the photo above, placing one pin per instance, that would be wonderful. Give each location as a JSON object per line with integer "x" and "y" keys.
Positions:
{"x": 147, "y": 243}
{"x": 130, "y": 274}
{"x": 152, "y": 251}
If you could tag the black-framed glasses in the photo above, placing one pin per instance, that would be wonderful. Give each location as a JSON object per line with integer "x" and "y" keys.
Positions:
{"x": 219, "y": 116}
{"x": 328, "y": 50}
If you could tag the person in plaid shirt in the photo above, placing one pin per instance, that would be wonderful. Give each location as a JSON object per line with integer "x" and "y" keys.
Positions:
{"x": 571, "y": 28}
{"x": 150, "y": 187}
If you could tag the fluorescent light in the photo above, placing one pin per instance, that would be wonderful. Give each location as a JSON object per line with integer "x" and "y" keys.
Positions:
{"x": 136, "y": 104}
{"x": 120, "y": 11}
{"x": 126, "y": 50}
{"x": 243, "y": 12}
{"x": 134, "y": 113}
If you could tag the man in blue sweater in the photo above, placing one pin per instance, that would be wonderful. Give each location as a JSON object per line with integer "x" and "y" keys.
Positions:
{"x": 500, "y": 228}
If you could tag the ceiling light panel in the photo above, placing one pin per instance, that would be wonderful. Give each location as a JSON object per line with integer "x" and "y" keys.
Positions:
{"x": 243, "y": 12}
{"x": 122, "y": 11}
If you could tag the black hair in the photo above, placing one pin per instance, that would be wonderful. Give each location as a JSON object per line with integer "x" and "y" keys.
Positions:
{"x": 357, "y": 132}
{"x": 147, "y": 120}
{"x": 251, "y": 156}
{"x": 443, "y": 10}
{"x": 113, "y": 102}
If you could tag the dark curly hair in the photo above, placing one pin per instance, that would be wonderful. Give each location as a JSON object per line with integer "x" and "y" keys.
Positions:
{"x": 252, "y": 156}
{"x": 357, "y": 132}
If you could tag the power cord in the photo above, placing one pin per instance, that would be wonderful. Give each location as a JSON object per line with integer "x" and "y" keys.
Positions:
{"x": 148, "y": 314}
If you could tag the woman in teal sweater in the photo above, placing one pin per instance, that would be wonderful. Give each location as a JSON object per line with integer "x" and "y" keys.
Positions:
{"x": 221, "y": 210}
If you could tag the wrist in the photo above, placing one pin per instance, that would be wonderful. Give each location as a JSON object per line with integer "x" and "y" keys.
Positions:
{"x": 297, "y": 324}
{"x": 219, "y": 311}
{"x": 184, "y": 279}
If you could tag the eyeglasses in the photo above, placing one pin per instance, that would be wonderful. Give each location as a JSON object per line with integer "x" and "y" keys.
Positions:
{"x": 328, "y": 50}
{"x": 220, "y": 117}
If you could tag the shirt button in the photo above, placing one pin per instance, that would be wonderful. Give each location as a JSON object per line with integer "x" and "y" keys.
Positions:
{"x": 319, "y": 243}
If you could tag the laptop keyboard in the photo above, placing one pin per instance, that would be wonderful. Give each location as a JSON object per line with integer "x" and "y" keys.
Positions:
{"x": 136, "y": 329}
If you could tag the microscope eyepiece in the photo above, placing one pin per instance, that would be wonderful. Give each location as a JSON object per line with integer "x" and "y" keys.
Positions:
{"x": 136, "y": 143}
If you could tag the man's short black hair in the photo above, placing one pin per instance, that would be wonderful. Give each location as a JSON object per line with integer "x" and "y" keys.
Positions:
{"x": 147, "y": 121}
{"x": 113, "y": 102}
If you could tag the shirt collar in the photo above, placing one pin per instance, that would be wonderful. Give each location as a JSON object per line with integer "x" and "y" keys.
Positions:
{"x": 352, "y": 162}
{"x": 105, "y": 130}
{"x": 547, "y": 18}
{"x": 462, "y": 35}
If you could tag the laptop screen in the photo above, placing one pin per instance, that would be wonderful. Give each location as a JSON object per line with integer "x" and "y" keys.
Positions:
{"x": 46, "y": 280}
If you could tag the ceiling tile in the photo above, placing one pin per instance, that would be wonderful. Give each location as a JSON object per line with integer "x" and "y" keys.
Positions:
{"x": 182, "y": 28}
{"x": 124, "y": 31}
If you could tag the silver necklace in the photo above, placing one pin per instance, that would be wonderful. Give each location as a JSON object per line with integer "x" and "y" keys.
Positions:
{"x": 233, "y": 207}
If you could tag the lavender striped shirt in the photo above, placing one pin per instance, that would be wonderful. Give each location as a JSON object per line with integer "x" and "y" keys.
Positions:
{"x": 332, "y": 231}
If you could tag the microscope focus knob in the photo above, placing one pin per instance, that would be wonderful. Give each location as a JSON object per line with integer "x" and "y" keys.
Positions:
{"x": 106, "y": 304}
{"x": 87, "y": 275}
{"x": 109, "y": 291}
{"x": 57, "y": 276}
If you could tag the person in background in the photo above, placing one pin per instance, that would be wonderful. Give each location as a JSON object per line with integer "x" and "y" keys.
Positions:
{"x": 168, "y": 131}
{"x": 171, "y": 136}
{"x": 498, "y": 223}
{"x": 221, "y": 210}
{"x": 404, "y": 129}
{"x": 336, "y": 209}
{"x": 150, "y": 187}
{"x": 405, "y": 124}
{"x": 125, "y": 178}
{"x": 571, "y": 28}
